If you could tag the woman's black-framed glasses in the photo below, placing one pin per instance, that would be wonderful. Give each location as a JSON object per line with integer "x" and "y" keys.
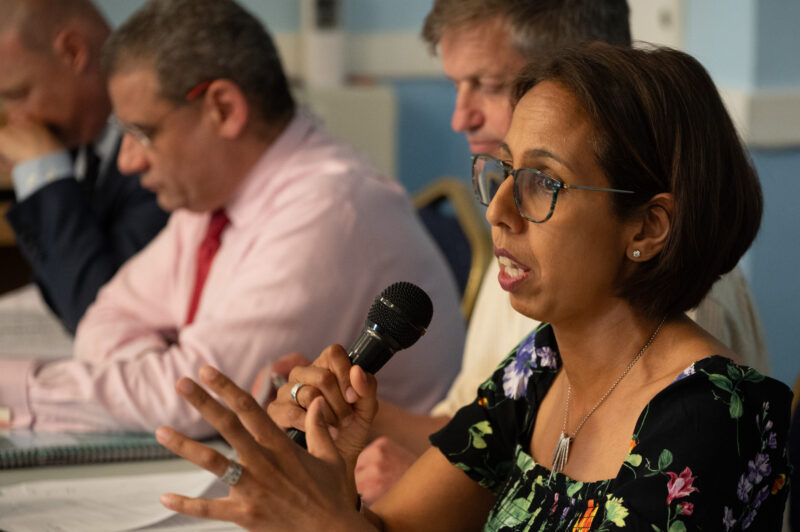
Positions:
{"x": 535, "y": 192}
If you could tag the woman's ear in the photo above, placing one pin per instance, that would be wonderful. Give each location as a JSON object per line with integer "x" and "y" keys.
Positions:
{"x": 653, "y": 224}
{"x": 226, "y": 106}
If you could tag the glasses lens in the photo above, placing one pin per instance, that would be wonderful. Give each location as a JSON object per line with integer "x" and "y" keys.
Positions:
{"x": 487, "y": 175}
{"x": 130, "y": 129}
{"x": 534, "y": 193}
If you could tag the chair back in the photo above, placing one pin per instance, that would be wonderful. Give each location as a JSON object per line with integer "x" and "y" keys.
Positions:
{"x": 450, "y": 213}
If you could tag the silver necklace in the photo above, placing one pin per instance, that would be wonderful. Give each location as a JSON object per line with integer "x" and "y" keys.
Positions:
{"x": 561, "y": 452}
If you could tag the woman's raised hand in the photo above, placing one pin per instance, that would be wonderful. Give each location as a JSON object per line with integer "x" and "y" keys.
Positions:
{"x": 331, "y": 377}
{"x": 282, "y": 486}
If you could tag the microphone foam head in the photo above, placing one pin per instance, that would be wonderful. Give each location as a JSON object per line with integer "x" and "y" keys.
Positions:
{"x": 403, "y": 311}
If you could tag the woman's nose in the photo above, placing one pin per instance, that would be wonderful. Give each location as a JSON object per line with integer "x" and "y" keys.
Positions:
{"x": 502, "y": 210}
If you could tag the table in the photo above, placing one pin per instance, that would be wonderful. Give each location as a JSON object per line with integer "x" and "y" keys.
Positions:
{"x": 29, "y": 474}
{"x": 105, "y": 497}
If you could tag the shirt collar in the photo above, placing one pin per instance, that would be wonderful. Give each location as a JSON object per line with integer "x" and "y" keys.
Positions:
{"x": 104, "y": 145}
{"x": 106, "y": 142}
{"x": 242, "y": 208}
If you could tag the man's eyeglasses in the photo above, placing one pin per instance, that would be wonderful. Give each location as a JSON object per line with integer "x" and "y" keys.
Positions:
{"x": 535, "y": 192}
{"x": 144, "y": 134}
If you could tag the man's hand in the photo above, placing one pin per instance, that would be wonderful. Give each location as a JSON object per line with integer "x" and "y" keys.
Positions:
{"x": 380, "y": 465}
{"x": 5, "y": 417}
{"x": 23, "y": 141}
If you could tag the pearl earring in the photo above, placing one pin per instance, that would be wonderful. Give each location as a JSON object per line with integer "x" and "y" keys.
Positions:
{"x": 636, "y": 253}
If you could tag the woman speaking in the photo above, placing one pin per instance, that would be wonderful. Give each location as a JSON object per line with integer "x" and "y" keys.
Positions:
{"x": 621, "y": 193}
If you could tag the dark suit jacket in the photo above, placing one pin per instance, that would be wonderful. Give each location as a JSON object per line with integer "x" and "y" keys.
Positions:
{"x": 76, "y": 238}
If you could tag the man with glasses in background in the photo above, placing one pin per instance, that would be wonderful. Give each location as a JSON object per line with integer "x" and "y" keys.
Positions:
{"x": 77, "y": 219}
{"x": 279, "y": 241}
{"x": 483, "y": 44}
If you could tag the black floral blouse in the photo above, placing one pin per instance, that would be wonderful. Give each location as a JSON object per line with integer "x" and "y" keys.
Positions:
{"x": 708, "y": 453}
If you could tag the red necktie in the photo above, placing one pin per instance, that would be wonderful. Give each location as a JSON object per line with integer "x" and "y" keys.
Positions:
{"x": 205, "y": 256}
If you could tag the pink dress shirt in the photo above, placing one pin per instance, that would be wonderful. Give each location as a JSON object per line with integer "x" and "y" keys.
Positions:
{"x": 315, "y": 234}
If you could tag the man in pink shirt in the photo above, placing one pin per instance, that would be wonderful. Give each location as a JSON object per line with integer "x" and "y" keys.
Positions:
{"x": 279, "y": 239}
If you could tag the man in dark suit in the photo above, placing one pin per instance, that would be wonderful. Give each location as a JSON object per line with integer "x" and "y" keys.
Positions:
{"x": 76, "y": 219}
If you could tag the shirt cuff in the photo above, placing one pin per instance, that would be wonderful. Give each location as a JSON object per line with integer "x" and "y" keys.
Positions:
{"x": 14, "y": 376}
{"x": 30, "y": 176}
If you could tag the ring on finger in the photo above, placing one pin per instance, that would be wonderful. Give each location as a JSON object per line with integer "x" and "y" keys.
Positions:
{"x": 293, "y": 393}
{"x": 232, "y": 474}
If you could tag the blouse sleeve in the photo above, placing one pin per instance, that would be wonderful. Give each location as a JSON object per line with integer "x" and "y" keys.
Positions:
{"x": 710, "y": 453}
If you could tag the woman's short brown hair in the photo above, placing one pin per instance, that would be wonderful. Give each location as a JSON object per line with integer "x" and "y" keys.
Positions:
{"x": 660, "y": 126}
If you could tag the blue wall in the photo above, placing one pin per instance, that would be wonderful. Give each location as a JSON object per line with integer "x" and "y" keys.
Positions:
{"x": 775, "y": 258}
{"x": 277, "y": 15}
{"x": 756, "y": 48}
{"x": 284, "y": 15}
{"x": 427, "y": 147}
{"x": 726, "y": 49}
{"x": 368, "y": 16}
{"x": 778, "y": 61}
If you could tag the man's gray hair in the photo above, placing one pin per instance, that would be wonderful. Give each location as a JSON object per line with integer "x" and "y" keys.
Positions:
{"x": 189, "y": 42}
{"x": 536, "y": 26}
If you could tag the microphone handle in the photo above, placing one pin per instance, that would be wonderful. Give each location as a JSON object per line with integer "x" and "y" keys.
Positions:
{"x": 297, "y": 436}
{"x": 370, "y": 351}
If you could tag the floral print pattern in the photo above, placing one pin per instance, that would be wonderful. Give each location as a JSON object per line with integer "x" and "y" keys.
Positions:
{"x": 753, "y": 487}
{"x": 679, "y": 485}
{"x": 708, "y": 452}
{"x": 527, "y": 358}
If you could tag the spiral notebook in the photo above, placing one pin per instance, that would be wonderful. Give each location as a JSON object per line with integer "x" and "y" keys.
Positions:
{"x": 26, "y": 448}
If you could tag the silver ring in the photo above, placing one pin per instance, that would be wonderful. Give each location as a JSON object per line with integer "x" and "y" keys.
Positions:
{"x": 232, "y": 475}
{"x": 293, "y": 393}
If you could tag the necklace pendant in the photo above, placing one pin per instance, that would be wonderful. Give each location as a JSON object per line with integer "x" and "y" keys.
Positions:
{"x": 560, "y": 454}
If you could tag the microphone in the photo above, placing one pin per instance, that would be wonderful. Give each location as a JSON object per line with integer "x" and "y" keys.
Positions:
{"x": 397, "y": 318}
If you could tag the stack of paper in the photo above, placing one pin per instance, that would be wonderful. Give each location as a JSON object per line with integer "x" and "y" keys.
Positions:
{"x": 106, "y": 504}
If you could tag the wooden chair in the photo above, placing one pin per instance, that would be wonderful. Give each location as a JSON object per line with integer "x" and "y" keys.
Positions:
{"x": 448, "y": 209}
